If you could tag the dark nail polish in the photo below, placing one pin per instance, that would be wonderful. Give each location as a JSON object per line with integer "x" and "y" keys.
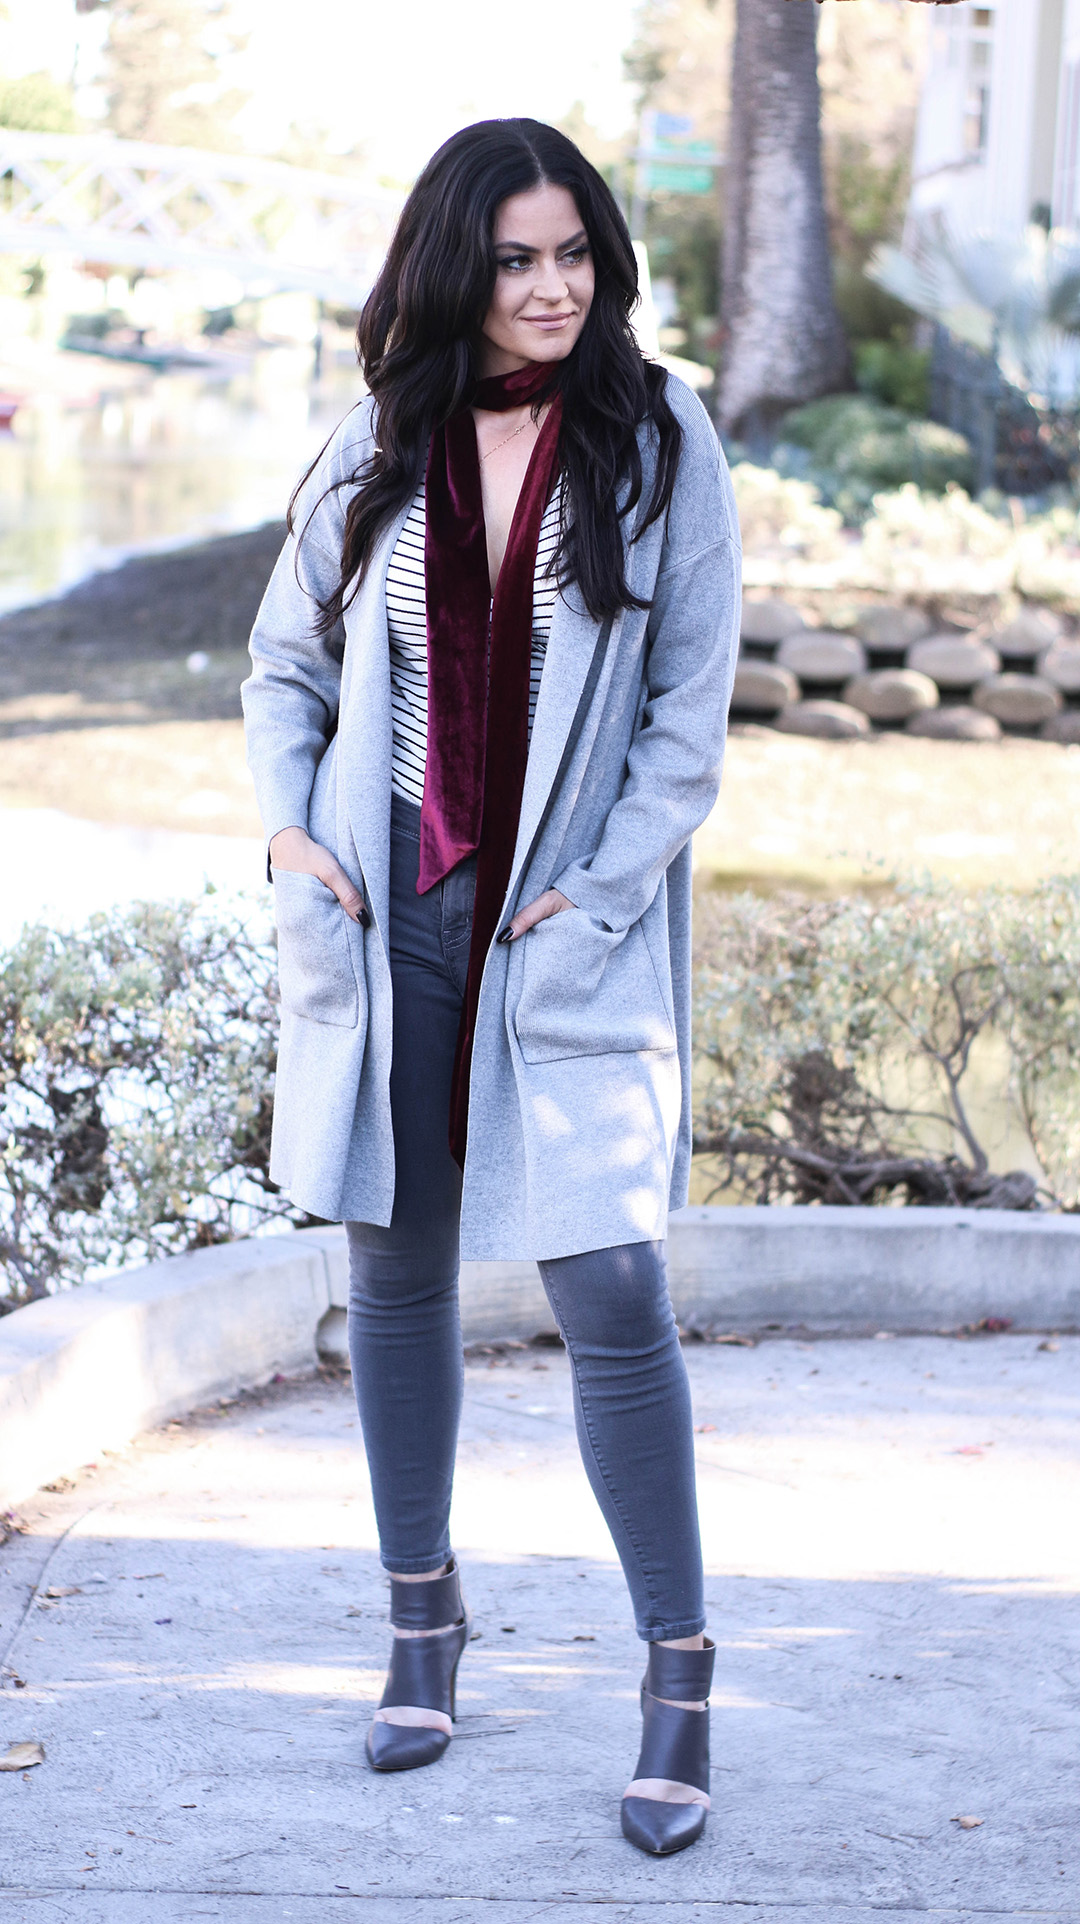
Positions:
{"x": 507, "y": 934}
{"x": 363, "y": 917}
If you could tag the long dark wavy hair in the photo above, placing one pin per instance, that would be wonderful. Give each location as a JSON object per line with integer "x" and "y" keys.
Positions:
{"x": 418, "y": 343}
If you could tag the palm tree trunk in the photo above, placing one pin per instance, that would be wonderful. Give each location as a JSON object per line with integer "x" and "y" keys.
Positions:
{"x": 783, "y": 342}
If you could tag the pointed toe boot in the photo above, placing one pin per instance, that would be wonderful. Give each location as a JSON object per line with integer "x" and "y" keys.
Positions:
{"x": 674, "y": 1752}
{"x": 421, "y": 1681}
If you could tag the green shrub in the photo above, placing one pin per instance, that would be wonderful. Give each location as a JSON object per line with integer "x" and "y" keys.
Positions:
{"x": 867, "y": 311}
{"x": 137, "y": 1067}
{"x": 837, "y": 1043}
{"x": 894, "y": 372}
{"x": 37, "y": 103}
{"x": 857, "y": 443}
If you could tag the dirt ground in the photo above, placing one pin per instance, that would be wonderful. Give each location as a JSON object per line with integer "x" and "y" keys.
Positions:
{"x": 102, "y": 717}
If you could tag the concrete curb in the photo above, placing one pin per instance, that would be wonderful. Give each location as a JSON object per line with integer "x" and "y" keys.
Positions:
{"x": 84, "y": 1371}
{"x": 855, "y": 1271}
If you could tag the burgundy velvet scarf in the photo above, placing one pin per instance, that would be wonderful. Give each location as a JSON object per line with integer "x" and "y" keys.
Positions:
{"x": 479, "y": 653}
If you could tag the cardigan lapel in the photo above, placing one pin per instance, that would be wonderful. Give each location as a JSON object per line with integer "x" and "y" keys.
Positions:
{"x": 571, "y": 648}
{"x": 365, "y": 740}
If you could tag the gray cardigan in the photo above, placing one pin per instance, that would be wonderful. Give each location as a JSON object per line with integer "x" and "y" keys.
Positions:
{"x": 579, "y": 1108}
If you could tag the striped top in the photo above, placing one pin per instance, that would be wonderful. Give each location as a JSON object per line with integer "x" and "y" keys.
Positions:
{"x": 406, "y": 619}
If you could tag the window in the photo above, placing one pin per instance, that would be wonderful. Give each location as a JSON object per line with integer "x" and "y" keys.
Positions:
{"x": 980, "y": 49}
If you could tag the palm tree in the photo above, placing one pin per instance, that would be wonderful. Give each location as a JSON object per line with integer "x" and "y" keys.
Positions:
{"x": 782, "y": 339}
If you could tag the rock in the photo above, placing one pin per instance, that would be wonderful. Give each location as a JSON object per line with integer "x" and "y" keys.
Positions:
{"x": 953, "y": 662}
{"x": 332, "y": 1337}
{"x": 1018, "y": 701}
{"x": 889, "y": 628}
{"x": 955, "y": 725}
{"x": 832, "y": 720}
{"x": 819, "y": 655}
{"x": 762, "y": 688}
{"x": 769, "y": 621}
{"x": 1060, "y": 663}
{"x": 1063, "y": 728}
{"x": 891, "y": 694}
{"x": 1032, "y": 630}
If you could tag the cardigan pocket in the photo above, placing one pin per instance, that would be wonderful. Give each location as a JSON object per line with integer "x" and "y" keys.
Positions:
{"x": 315, "y": 959}
{"x": 586, "y": 990}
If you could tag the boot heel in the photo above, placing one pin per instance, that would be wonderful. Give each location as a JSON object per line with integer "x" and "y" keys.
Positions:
{"x": 453, "y": 1673}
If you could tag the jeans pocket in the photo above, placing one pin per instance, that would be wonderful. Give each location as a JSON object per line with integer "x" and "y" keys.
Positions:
{"x": 315, "y": 958}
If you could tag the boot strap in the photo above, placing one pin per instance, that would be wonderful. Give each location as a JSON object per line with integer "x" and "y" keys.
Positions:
{"x": 421, "y": 1671}
{"x": 674, "y": 1744}
{"x": 684, "y": 1675}
{"x": 426, "y": 1606}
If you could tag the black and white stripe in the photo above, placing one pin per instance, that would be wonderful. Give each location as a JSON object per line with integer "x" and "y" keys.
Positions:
{"x": 406, "y": 617}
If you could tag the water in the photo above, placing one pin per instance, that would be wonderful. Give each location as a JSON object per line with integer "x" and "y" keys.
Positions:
{"x": 142, "y": 461}
{"x": 59, "y": 869}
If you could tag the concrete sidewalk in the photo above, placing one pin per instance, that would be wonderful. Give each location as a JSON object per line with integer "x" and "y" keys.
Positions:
{"x": 893, "y": 1555}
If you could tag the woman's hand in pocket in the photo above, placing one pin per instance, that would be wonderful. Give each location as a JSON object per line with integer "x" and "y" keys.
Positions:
{"x": 550, "y": 903}
{"x": 293, "y": 848}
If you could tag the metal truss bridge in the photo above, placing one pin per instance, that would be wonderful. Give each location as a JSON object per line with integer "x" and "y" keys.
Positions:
{"x": 271, "y": 226}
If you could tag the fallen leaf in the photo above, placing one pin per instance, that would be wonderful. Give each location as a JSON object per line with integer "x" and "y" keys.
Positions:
{"x": 353, "y": 1611}
{"x": 967, "y": 1823}
{"x": 63, "y": 1590}
{"x": 22, "y": 1756}
{"x": 972, "y": 1449}
{"x": 736, "y": 1341}
{"x": 704, "y": 1429}
{"x": 162, "y": 1619}
{"x": 1053, "y": 1347}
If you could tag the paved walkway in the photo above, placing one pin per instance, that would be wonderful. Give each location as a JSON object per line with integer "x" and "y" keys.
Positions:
{"x": 891, "y": 1537}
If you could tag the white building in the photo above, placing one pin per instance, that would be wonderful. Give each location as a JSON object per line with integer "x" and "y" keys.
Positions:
{"x": 998, "y": 136}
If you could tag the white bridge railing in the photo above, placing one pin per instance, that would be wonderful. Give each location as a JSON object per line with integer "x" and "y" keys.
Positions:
{"x": 271, "y": 226}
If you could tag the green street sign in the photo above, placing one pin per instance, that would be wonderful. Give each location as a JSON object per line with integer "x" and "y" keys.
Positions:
{"x": 669, "y": 161}
{"x": 679, "y": 166}
{"x": 676, "y": 178}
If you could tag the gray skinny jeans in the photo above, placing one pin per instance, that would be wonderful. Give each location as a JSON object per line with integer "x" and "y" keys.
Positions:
{"x": 631, "y": 1395}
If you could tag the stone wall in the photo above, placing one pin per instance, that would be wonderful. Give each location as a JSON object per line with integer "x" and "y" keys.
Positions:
{"x": 895, "y": 670}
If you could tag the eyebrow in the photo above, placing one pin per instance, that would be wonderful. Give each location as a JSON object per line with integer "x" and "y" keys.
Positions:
{"x": 522, "y": 247}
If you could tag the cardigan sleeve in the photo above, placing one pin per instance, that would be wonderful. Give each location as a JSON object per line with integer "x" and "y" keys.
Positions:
{"x": 675, "y": 760}
{"x": 291, "y": 697}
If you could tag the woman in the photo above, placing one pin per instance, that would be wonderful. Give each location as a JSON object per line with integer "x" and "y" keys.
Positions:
{"x": 487, "y": 711}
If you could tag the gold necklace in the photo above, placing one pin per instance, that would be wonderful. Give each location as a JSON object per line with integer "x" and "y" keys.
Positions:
{"x": 507, "y": 439}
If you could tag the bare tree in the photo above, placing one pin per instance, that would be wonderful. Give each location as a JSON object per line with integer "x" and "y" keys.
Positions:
{"x": 163, "y": 72}
{"x": 783, "y": 342}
